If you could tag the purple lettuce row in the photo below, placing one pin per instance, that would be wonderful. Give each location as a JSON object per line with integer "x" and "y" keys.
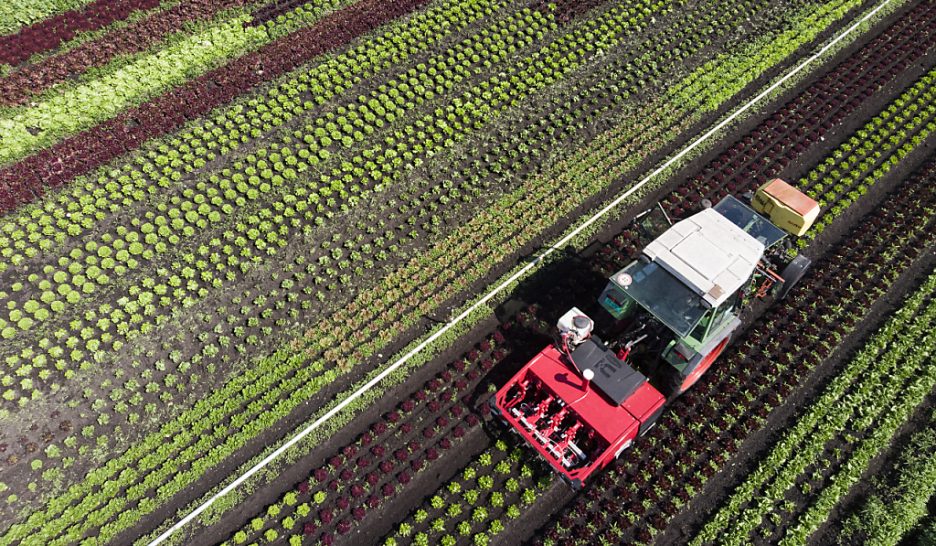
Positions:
{"x": 50, "y": 33}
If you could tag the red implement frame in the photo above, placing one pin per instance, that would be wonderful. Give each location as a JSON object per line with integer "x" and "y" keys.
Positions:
{"x": 569, "y": 422}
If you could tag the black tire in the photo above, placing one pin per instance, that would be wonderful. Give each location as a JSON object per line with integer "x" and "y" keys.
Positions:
{"x": 669, "y": 380}
{"x": 648, "y": 425}
{"x": 792, "y": 274}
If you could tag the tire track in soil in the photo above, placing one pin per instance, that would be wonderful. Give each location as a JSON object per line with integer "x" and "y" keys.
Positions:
{"x": 873, "y": 70}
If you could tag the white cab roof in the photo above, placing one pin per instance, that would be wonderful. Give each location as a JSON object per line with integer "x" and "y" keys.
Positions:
{"x": 708, "y": 253}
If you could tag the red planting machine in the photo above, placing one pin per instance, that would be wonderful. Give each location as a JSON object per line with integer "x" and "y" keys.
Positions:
{"x": 583, "y": 400}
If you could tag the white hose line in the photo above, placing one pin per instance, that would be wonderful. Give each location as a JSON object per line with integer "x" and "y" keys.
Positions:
{"x": 512, "y": 279}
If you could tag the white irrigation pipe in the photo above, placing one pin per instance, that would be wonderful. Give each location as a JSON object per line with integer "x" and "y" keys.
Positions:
{"x": 513, "y": 278}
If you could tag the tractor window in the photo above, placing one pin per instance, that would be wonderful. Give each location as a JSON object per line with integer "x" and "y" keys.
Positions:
{"x": 662, "y": 294}
{"x": 747, "y": 219}
{"x": 698, "y": 333}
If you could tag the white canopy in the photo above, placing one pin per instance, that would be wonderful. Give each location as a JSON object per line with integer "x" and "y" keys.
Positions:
{"x": 708, "y": 253}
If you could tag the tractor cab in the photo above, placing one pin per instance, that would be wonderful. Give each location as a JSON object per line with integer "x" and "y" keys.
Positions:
{"x": 682, "y": 295}
{"x": 582, "y": 400}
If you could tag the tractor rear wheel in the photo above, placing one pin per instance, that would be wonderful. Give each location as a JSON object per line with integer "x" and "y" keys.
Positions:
{"x": 792, "y": 273}
{"x": 677, "y": 383}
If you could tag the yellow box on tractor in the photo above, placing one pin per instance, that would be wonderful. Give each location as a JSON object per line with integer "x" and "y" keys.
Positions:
{"x": 785, "y": 206}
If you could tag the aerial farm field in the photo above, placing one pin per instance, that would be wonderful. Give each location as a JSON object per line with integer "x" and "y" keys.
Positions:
{"x": 267, "y": 265}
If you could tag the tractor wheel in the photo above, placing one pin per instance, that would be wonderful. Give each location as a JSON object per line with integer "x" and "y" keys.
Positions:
{"x": 703, "y": 366}
{"x": 676, "y": 384}
{"x": 792, "y": 273}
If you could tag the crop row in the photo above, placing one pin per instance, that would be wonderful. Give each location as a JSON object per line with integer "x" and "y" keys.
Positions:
{"x": 130, "y": 81}
{"x": 31, "y": 79}
{"x": 397, "y": 449}
{"x": 876, "y": 45}
{"x": 126, "y": 131}
{"x": 857, "y": 413}
{"x": 871, "y": 152}
{"x": 496, "y": 482}
{"x": 897, "y": 500}
{"x": 49, "y": 33}
{"x": 779, "y": 140}
{"x": 19, "y": 13}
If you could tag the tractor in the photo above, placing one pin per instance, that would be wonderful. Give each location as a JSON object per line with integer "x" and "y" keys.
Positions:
{"x": 581, "y": 401}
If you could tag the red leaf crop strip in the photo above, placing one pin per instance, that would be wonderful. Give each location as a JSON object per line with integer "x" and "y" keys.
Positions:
{"x": 274, "y": 9}
{"x": 381, "y": 462}
{"x": 29, "y": 80}
{"x": 567, "y": 10}
{"x": 71, "y": 216}
{"x": 94, "y": 147}
{"x": 708, "y": 424}
{"x": 48, "y": 34}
